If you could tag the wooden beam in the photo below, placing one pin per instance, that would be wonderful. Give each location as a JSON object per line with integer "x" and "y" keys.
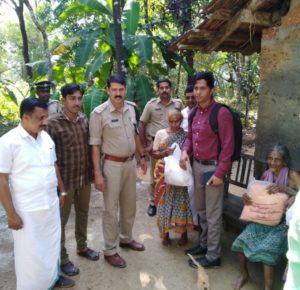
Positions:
{"x": 221, "y": 14}
{"x": 256, "y": 18}
{"x": 201, "y": 33}
{"x": 189, "y": 47}
{"x": 255, "y": 4}
{"x": 224, "y": 32}
{"x": 174, "y": 46}
{"x": 239, "y": 36}
{"x": 243, "y": 16}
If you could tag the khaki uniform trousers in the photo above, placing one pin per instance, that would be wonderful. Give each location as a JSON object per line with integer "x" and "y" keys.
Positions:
{"x": 81, "y": 199}
{"x": 119, "y": 203}
{"x": 209, "y": 202}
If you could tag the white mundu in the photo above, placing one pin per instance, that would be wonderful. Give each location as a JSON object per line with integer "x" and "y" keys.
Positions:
{"x": 33, "y": 186}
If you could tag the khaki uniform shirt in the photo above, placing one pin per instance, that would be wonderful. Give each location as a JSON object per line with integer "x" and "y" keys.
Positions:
{"x": 114, "y": 131}
{"x": 155, "y": 115}
{"x": 53, "y": 108}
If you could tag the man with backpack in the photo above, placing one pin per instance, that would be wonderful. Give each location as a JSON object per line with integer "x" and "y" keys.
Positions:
{"x": 212, "y": 153}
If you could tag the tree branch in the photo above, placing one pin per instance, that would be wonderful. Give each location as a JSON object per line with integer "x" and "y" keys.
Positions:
{"x": 45, "y": 38}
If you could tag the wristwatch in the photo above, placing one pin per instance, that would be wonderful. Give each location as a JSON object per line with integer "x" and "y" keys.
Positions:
{"x": 63, "y": 193}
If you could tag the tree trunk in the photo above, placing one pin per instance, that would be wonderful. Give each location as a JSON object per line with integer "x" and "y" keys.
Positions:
{"x": 45, "y": 38}
{"x": 178, "y": 81}
{"x": 237, "y": 68}
{"x": 118, "y": 37}
{"x": 19, "y": 9}
{"x": 248, "y": 92}
{"x": 186, "y": 19}
{"x": 190, "y": 60}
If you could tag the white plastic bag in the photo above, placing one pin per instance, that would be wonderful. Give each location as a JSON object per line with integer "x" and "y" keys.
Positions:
{"x": 174, "y": 174}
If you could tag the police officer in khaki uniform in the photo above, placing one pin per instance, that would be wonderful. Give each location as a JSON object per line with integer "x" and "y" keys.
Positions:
{"x": 43, "y": 93}
{"x": 154, "y": 118}
{"x": 114, "y": 140}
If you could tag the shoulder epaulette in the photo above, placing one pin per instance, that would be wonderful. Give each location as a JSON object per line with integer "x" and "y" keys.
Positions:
{"x": 130, "y": 103}
{"x": 152, "y": 100}
{"x": 101, "y": 108}
{"x": 52, "y": 101}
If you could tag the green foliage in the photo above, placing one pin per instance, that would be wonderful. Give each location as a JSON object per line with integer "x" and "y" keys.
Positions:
{"x": 144, "y": 90}
{"x": 93, "y": 98}
{"x": 96, "y": 64}
{"x": 82, "y": 43}
{"x": 11, "y": 60}
{"x": 131, "y": 16}
{"x": 8, "y": 103}
{"x": 143, "y": 48}
{"x": 6, "y": 126}
{"x": 97, "y": 6}
{"x": 85, "y": 48}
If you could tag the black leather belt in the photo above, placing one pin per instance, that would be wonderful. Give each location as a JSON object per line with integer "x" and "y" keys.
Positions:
{"x": 207, "y": 162}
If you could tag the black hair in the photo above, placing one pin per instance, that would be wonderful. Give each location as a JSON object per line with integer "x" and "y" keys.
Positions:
{"x": 71, "y": 88}
{"x": 189, "y": 89}
{"x": 29, "y": 104}
{"x": 282, "y": 150}
{"x": 163, "y": 80}
{"x": 116, "y": 78}
{"x": 205, "y": 75}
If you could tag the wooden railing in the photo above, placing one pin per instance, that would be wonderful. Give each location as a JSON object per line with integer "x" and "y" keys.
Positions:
{"x": 239, "y": 176}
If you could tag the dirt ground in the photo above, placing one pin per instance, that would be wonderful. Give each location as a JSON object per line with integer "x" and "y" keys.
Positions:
{"x": 157, "y": 268}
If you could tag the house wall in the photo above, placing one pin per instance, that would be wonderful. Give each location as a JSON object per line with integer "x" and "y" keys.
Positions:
{"x": 279, "y": 102}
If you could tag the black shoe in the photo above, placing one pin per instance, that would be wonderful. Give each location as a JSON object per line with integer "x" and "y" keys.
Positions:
{"x": 69, "y": 269}
{"x": 88, "y": 253}
{"x": 64, "y": 282}
{"x": 206, "y": 263}
{"x": 196, "y": 251}
{"x": 151, "y": 211}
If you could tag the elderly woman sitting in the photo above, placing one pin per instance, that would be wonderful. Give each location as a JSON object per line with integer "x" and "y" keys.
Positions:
{"x": 263, "y": 243}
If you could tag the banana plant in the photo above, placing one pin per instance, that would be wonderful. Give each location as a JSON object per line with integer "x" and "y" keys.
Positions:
{"x": 92, "y": 52}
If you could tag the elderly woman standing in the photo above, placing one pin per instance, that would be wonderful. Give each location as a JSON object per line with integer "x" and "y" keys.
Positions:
{"x": 174, "y": 211}
{"x": 262, "y": 243}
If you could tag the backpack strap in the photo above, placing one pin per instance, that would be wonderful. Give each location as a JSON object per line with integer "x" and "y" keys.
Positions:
{"x": 213, "y": 118}
{"x": 192, "y": 115}
{"x": 213, "y": 121}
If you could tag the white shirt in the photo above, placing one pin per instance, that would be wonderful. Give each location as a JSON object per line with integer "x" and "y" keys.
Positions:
{"x": 30, "y": 165}
{"x": 185, "y": 122}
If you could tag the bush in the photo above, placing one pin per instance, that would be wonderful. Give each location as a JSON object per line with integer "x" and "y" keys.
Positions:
{"x": 5, "y": 126}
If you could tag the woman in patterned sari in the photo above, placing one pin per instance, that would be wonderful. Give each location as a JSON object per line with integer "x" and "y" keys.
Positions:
{"x": 262, "y": 243}
{"x": 173, "y": 206}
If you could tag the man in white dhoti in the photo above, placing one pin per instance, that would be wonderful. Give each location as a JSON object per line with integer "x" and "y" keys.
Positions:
{"x": 28, "y": 192}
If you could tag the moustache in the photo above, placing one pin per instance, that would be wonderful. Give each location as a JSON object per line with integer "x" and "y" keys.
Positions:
{"x": 118, "y": 97}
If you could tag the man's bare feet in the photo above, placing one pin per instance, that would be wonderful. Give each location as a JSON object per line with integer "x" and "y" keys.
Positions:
{"x": 240, "y": 281}
{"x": 183, "y": 240}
